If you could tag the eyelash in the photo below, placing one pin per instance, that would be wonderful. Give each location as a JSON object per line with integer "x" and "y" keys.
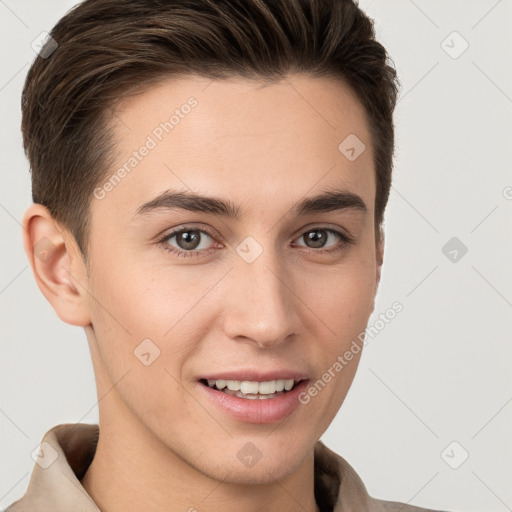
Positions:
{"x": 345, "y": 241}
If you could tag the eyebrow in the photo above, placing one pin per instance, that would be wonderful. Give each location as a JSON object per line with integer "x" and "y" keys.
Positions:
{"x": 328, "y": 201}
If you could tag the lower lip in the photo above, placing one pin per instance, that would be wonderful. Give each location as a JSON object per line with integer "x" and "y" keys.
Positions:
{"x": 259, "y": 410}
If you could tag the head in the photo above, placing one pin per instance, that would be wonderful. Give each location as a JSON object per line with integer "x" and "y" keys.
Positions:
{"x": 279, "y": 115}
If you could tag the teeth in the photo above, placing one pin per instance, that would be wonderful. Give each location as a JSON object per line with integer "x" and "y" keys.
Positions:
{"x": 249, "y": 387}
{"x": 252, "y": 387}
{"x": 234, "y": 385}
{"x": 288, "y": 384}
{"x": 221, "y": 384}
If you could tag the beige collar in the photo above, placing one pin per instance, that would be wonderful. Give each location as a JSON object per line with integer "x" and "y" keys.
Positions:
{"x": 67, "y": 450}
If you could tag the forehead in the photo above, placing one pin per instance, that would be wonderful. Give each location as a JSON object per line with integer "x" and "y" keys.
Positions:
{"x": 243, "y": 139}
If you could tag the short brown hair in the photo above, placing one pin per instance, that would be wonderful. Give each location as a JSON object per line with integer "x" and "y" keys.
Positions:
{"x": 106, "y": 48}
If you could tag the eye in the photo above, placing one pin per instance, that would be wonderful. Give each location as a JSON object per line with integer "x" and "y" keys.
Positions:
{"x": 190, "y": 242}
{"x": 317, "y": 238}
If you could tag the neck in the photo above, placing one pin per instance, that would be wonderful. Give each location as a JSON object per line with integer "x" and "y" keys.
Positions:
{"x": 133, "y": 471}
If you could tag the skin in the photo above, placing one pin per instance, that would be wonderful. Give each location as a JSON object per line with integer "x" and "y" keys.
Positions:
{"x": 162, "y": 445}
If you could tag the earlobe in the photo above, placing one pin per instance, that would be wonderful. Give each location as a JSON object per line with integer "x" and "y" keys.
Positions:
{"x": 57, "y": 265}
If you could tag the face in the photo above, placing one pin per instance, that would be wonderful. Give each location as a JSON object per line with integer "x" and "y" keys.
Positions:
{"x": 266, "y": 286}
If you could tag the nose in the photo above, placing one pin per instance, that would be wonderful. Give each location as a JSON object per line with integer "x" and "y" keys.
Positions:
{"x": 261, "y": 306}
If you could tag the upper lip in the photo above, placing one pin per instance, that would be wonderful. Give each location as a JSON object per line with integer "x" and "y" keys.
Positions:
{"x": 254, "y": 375}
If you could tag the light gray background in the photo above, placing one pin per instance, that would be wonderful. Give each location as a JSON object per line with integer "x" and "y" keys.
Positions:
{"x": 440, "y": 371}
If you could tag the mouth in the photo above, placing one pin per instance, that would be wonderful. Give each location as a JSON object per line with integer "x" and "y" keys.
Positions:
{"x": 258, "y": 401}
{"x": 253, "y": 390}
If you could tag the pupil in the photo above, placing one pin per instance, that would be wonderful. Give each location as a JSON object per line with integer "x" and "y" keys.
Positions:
{"x": 187, "y": 241}
{"x": 317, "y": 240}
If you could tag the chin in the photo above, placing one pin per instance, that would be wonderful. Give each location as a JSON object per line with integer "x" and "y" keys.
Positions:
{"x": 263, "y": 468}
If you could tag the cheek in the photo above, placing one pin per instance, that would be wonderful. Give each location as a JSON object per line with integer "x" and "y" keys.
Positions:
{"x": 342, "y": 296}
{"x": 344, "y": 305}
{"x": 342, "y": 302}
{"x": 148, "y": 300}
{"x": 143, "y": 341}
{"x": 134, "y": 303}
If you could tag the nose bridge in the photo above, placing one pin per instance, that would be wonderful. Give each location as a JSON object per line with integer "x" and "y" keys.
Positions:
{"x": 261, "y": 306}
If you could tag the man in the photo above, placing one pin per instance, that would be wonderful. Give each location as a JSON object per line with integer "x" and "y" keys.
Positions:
{"x": 209, "y": 184}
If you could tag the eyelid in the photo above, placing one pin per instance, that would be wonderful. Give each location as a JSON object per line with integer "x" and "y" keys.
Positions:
{"x": 163, "y": 239}
{"x": 345, "y": 240}
{"x": 328, "y": 227}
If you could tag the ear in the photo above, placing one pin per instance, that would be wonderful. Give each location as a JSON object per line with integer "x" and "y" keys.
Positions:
{"x": 57, "y": 264}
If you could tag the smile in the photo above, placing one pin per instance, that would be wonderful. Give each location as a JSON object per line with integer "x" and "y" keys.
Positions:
{"x": 252, "y": 390}
{"x": 254, "y": 401}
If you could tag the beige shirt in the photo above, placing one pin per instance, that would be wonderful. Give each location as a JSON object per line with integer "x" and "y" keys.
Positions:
{"x": 67, "y": 450}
